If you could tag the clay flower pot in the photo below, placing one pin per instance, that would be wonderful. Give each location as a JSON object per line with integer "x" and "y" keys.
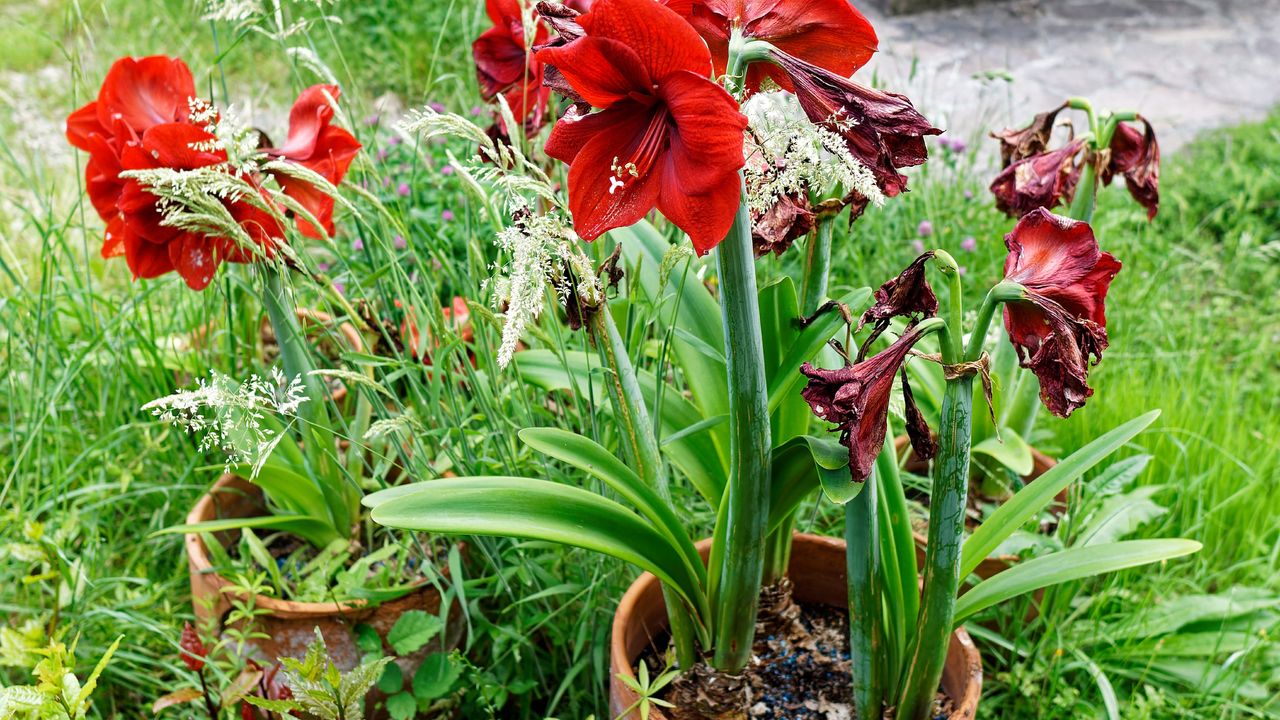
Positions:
{"x": 996, "y": 563}
{"x": 290, "y": 624}
{"x": 818, "y": 571}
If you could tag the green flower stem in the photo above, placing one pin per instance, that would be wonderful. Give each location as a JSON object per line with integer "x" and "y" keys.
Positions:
{"x": 641, "y": 448}
{"x": 317, "y": 431}
{"x": 866, "y": 631}
{"x": 1005, "y": 291}
{"x": 898, "y": 562}
{"x": 817, "y": 266}
{"x": 946, "y": 518}
{"x": 777, "y": 551}
{"x": 942, "y": 560}
{"x": 1086, "y": 199}
{"x": 632, "y": 413}
{"x": 745, "y": 508}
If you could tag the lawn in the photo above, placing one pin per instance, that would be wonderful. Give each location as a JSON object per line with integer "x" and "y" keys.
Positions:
{"x": 91, "y": 479}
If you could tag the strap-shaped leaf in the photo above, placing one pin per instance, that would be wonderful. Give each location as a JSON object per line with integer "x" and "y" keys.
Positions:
{"x": 693, "y": 452}
{"x": 594, "y": 459}
{"x": 289, "y": 489}
{"x": 800, "y": 466}
{"x": 538, "y": 510}
{"x": 313, "y": 531}
{"x": 1037, "y": 495}
{"x": 1070, "y": 564}
{"x": 1008, "y": 449}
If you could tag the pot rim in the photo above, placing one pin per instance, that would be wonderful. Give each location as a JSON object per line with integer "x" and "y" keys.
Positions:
{"x": 200, "y": 564}
{"x": 620, "y": 664}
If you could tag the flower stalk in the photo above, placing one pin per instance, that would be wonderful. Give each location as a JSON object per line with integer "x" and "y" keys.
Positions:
{"x": 866, "y": 629}
{"x": 817, "y": 265}
{"x": 642, "y": 448}
{"x": 740, "y": 535}
{"x": 946, "y": 517}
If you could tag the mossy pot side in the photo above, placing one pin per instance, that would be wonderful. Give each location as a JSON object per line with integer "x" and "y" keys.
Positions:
{"x": 818, "y": 572}
{"x": 995, "y": 564}
{"x": 289, "y": 624}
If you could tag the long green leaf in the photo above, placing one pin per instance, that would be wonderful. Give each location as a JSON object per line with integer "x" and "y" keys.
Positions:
{"x": 596, "y": 460}
{"x": 1070, "y": 564}
{"x": 1037, "y": 495}
{"x": 800, "y": 466}
{"x": 693, "y": 452}
{"x": 538, "y": 510}
{"x": 313, "y": 531}
{"x": 784, "y": 379}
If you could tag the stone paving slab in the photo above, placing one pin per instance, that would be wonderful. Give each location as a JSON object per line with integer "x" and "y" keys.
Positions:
{"x": 1188, "y": 65}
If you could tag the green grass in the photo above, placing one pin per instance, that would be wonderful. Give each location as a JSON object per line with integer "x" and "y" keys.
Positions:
{"x": 1194, "y": 320}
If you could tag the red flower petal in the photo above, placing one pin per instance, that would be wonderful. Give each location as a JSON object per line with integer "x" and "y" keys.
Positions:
{"x": 1062, "y": 322}
{"x": 195, "y": 257}
{"x": 1136, "y": 155}
{"x": 601, "y": 71}
{"x": 706, "y": 147}
{"x": 663, "y": 41}
{"x": 598, "y": 199}
{"x": 145, "y": 259}
{"x": 309, "y": 116}
{"x": 83, "y": 123}
{"x": 706, "y": 217}
{"x": 573, "y": 130}
{"x": 146, "y": 92}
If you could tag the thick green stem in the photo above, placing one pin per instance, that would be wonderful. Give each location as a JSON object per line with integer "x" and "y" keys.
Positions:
{"x": 942, "y": 560}
{"x": 898, "y": 563}
{"x": 1004, "y": 291}
{"x": 1086, "y": 199}
{"x": 319, "y": 444}
{"x": 746, "y": 504}
{"x": 946, "y": 518}
{"x": 866, "y": 631}
{"x": 629, "y": 405}
{"x": 817, "y": 266}
{"x": 641, "y": 448}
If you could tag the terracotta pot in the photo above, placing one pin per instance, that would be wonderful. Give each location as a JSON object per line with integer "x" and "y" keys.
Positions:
{"x": 319, "y": 325}
{"x": 290, "y": 624}
{"x": 818, "y": 570}
{"x": 996, "y": 563}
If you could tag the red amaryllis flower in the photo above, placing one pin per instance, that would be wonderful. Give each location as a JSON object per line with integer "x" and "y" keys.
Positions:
{"x": 136, "y": 95}
{"x": 1040, "y": 181}
{"x": 1136, "y": 155}
{"x": 193, "y": 651}
{"x": 320, "y": 146}
{"x": 152, "y": 248}
{"x": 665, "y": 136}
{"x": 828, "y": 33}
{"x": 504, "y": 65}
{"x": 1062, "y": 321}
{"x": 856, "y": 398}
{"x": 882, "y": 130}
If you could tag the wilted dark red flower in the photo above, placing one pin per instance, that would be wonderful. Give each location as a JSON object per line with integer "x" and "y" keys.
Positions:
{"x": 665, "y": 136}
{"x": 192, "y": 649}
{"x": 1062, "y": 321}
{"x": 775, "y": 229}
{"x": 856, "y": 398}
{"x": 830, "y": 34}
{"x": 1021, "y": 143}
{"x": 317, "y": 144}
{"x": 1136, "y": 155}
{"x": 504, "y": 65}
{"x": 908, "y": 295}
{"x": 1039, "y": 181}
{"x": 882, "y": 130}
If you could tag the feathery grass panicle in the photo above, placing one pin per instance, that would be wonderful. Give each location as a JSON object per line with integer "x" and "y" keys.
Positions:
{"x": 233, "y": 418}
{"x": 798, "y": 157}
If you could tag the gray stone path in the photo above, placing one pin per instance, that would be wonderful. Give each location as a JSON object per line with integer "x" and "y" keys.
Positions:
{"x": 1188, "y": 65}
